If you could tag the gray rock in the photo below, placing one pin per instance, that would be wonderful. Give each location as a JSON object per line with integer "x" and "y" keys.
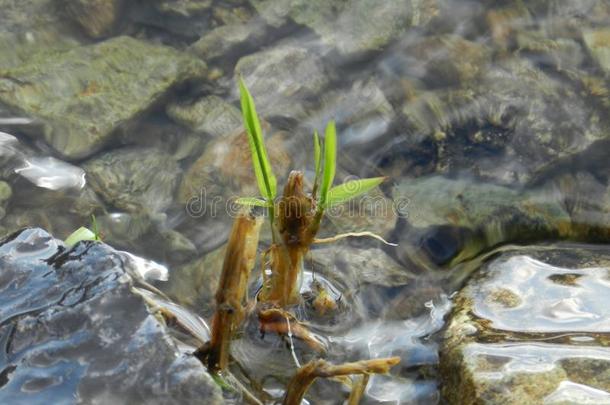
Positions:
{"x": 452, "y": 220}
{"x": 134, "y": 179}
{"x": 516, "y": 110}
{"x": 350, "y": 26}
{"x": 211, "y": 115}
{"x": 224, "y": 171}
{"x": 81, "y": 105}
{"x": 531, "y": 327}
{"x": 173, "y": 18}
{"x": 371, "y": 212}
{"x": 57, "y": 210}
{"x": 194, "y": 284}
{"x": 222, "y": 40}
{"x": 29, "y": 27}
{"x": 281, "y": 79}
{"x": 187, "y": 8}
{"x": 76, "y": 328}
{"x": 95, "y": 17}
{"x": 598, "y": 44}
{"x": 361, "y": 265}
{"x": 447, "y": 60}
{"x": 361, "y": 111}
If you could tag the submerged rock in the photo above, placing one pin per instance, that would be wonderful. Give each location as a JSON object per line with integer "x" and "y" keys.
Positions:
{"x": 210, "y": 115}
{"x": 598, "y": 43}
{"x": 362, "y": 112}
{"x": 194, "y": 285}
{"x": 81, "y": 105}
{"x": 448, "y": 60}
{"x": 5, "y": 195}
{"x": 75, "y": 328}
{"x": 221, "y": 41}
{"x": 515, "y": 110}
{"x": 224, "y": 171}
{"x": 96, "y": 17}
{"x": 350, "y": 26}
{"x": 281, "y": 79}
{"x": 451, "y": 220}
{"x": 134, "y": 179}
{"x": 30, "y": 27}
{"x": 185, "y": 19}
{"x": 531, "y": 327}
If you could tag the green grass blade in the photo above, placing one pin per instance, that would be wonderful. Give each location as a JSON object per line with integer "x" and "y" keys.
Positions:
{"x": 317, "y": 153}
{"x": 351, "y": 189}
{"x": 95, "y": 230}
{"x": 80, "y": 234}
{"x": 330, "y": 161}
{"x": 267, "y": 182}
{"x": 253, "y": 202}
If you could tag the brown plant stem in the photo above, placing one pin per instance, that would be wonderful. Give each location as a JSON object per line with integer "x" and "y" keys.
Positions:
{"x": 306, "y": 375}
{"x": 239, "y": 260}
{"x": 294, "y": 213}
{"x": 276, "y": 320}
{"x": 358, "y": 390}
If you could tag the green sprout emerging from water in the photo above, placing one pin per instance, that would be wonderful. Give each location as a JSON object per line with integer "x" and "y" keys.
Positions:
{"x": 84, "y": 233}
{"x": 295, "y": 216}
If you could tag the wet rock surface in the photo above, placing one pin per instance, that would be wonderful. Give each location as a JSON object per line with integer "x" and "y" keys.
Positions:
{"x": 74, "y": 328}
{"x": 134, "y": 179}
{"x": 285, "y": 77}
{"x": 532, "y": 326}
{"x": 350, "y": 26}
{"x": 210, "y": 115}
{"x": 79, "y": 106}
{"x": 224, "y": 171}
{"x": 452, "y": 220}
{"x": 96, "y": 17}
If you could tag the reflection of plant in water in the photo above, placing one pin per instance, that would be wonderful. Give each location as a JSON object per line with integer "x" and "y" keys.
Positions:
{"x": 294, "y": 219}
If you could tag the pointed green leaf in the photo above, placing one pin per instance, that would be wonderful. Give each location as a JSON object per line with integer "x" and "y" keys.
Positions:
{"x": 351, "y": 189}
{"x": 95, "y": 230}
{"x": 80, "y": 234}
{"x": 267, "y": 182}
{"x": 317, "y": 154}
{"x": 317, "y": 151}
{"x": 330, "y": 160}
{"x": 253, "y": 202}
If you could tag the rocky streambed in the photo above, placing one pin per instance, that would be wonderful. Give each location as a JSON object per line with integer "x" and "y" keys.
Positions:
{"x": 490, "y": 119}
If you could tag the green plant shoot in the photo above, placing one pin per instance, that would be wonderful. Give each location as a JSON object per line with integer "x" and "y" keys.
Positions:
{"x": 84, "y": 233}
{"x": 330, "y": 162}
{"x": 267, "y": 182}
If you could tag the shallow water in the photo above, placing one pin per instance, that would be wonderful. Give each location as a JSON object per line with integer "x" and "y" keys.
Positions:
{"x": 490, "y": 119}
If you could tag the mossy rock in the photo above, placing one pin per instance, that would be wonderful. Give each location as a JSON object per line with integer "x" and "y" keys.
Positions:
{"x": 351, "y": 26}
{"x": 82, "y": 96}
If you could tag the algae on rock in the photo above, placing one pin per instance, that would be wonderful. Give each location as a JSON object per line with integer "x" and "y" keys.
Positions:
{"x": 80, "y": 97}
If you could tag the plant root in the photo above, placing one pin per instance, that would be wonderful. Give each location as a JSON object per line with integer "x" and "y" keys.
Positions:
{"x": 306, "y": 375}
{"x": 353, "y": 234}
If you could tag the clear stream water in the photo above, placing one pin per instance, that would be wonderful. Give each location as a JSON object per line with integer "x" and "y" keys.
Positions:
{"x": 490, "y": 119}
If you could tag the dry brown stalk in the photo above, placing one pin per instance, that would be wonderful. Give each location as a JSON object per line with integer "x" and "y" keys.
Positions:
{"x": 306, "y": 375}
{"x": 297, "y": 222}
{"x": 358, "y": 390}
{"x": 239, "y": 260}
{"x": 281, "y": 322}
